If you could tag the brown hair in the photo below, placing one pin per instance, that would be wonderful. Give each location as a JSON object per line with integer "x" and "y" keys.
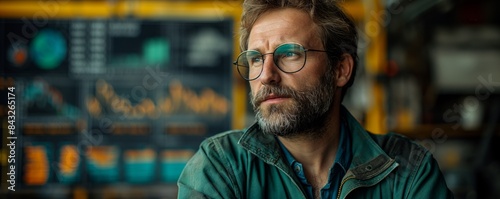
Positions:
{"x": 337, "y": 29}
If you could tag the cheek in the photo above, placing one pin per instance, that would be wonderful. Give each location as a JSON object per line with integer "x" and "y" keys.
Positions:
{"x": 254, "y": 86}
{"x": 312, "y": 74}
{"x": 307, "y": 82}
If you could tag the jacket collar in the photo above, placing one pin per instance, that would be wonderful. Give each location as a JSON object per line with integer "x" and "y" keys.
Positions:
{"x": 262, "y": 145}
{"x": 368, "y": 159}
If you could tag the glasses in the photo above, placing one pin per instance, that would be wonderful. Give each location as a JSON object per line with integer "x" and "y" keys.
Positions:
{"x": 288, "y": 57}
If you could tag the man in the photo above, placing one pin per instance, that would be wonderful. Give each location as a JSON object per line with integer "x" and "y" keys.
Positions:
{"x": 299, "y": 57}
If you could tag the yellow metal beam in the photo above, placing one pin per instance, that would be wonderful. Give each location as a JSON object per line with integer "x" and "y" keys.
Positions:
{"x": 356, "y": 9}
{"x": 376, "y": 61}
{"x": 103, "y": 9}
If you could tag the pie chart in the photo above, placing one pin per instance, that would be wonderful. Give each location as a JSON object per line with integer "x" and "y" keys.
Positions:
{"x": 48, "y": 49}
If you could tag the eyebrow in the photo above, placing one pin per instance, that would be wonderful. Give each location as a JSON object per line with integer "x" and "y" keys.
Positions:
{"x": 281, "y": 41}
{"x": 290, "y": 42}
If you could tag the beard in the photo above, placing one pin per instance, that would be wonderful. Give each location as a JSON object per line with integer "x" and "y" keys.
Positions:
{"x": 304, "y": 115}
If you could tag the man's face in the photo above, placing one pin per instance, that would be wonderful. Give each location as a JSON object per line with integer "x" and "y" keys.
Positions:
{"x": 290, "y": 103}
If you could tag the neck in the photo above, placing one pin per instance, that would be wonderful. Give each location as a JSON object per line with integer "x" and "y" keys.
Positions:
{"x": 316, "y": 151}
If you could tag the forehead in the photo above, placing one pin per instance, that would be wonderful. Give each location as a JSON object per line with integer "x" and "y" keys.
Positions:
{"x": 284, "y": 25}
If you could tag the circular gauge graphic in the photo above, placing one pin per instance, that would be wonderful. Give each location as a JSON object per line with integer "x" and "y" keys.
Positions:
{"x": 17, "y": 55}
{"x": 48, "y": 49}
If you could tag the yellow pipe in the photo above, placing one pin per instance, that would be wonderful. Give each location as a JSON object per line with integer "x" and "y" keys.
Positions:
{"x": 375, "y": 62}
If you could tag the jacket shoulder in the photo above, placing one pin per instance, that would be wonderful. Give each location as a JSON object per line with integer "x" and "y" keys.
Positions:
{"x": 396, "y": 145}
{"x": 210, "y": 172}
{"x": 417, "y": 167}
{"x": 230, "y": 138}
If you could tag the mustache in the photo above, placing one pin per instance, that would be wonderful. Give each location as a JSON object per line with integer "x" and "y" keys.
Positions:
{"x": 263, "y": 93}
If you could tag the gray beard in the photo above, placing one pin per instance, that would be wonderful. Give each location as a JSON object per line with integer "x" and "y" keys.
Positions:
{"x": 305, "y": 116}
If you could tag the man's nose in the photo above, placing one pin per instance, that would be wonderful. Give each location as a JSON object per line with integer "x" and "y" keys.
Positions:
{"x": 270, "y": 72}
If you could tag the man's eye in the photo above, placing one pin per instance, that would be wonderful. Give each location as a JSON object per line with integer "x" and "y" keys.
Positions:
{"x": 256, "y": 59}
{"x": 290, "y": 54}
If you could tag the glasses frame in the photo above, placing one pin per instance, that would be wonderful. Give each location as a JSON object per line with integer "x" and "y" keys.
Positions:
{"x": 235, "y": 63}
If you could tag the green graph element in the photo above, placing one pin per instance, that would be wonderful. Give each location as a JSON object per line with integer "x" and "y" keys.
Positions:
{"x": 48, "y": 49}
{"x": 156, "y": 51}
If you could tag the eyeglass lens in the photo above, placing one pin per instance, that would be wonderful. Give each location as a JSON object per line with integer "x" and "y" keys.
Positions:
{"x": 288, "y": 57}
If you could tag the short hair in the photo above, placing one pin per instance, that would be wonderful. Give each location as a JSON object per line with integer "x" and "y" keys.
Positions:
{"x": 336, "y": 29}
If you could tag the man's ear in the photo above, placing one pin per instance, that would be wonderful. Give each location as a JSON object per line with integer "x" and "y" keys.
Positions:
{"x": 344, "y": 69}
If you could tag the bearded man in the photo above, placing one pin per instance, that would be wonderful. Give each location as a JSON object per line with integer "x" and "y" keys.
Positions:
{"x": 299, "y": 57}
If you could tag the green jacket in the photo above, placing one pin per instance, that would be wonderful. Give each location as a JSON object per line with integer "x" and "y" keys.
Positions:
{"x": 249, "y": 164}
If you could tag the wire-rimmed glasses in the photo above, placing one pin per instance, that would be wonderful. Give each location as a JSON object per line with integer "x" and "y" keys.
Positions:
{"x": 288, "y": 57}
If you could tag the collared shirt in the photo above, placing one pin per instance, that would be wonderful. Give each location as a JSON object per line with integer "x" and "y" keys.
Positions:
{"x": 337, "y": 171}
